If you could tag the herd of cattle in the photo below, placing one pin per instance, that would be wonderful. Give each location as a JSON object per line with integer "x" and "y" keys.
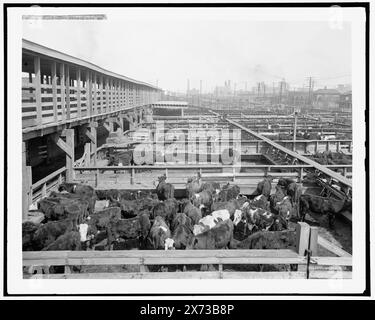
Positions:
{"x": 210, "y": 217}
{"x": 305, "y": 135}
{"x": 333, "y": 158}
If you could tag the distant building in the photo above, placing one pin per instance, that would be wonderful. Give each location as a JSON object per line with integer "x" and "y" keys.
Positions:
{"x": 326, "y": 98}
{"x": 169, "y": 108}
{"x": 344, "y": 88}
{"x": 345, "y": 101}
{"x": 223, "y": 91}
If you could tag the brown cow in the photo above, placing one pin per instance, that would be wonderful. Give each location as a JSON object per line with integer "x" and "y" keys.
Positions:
{"x": 164, "y": 190}
{"x": 191, "y": 211}
{"x": 166, "y": 209}
{"x": 325, "y": 206}
{"x": 264, "y": 187}
{"x": 159, "y": 233}
{"x": 49, "y": 232}
{"x": 193, "y": 185}
{"x": 202, "y": 200}
{"x": 229, "y": 192}
{"x": 218, "y": 237}
{"x": 67, "y": 241}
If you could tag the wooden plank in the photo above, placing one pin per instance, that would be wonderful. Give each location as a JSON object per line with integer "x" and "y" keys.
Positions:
{"x": 62, "y": 91}
{"x": 54, "y": 90}
{"x": 70, "y": 157}
{"x": 173, "y": 275}
{"x": 67, "y": 85}
{"x": 118, "y": 88}
{"x": 26, "y": 183}
{"x": 95, "y": 101}
{"x": 51, "y": 178}
{"x": 79, "y": 106}
{"x": 38, "y": 90}
{"x": 90, "y": 136}
{"x": 63, "y": 145}
{"x": 93, "y": 144}
{"x": 303, "y": 236}
{"x": 87, "y": 154}
{"x": 88, "y": 93}
{"x": 330, "y": 275}
{"x": 212, "y": 166}
{"x": 108, "y": 107}
{"x": 238, "y": 253}
{"x": 313, "y": 245}
{"x": 332, "y": 261}
{"x": 222, "y": 260}
{"x": 332, "y": 247}
{"x": 102, "y": 94}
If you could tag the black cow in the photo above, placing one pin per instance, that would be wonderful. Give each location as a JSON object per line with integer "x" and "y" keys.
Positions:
{"x": 325, "y": 206}
{"x": 164, "y": 190}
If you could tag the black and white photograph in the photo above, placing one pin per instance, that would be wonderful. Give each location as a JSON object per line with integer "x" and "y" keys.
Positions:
{"x": 165, "y": 149}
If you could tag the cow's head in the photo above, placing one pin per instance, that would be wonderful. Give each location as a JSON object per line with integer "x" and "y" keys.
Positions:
{"x": 237, "y": 217}
{"x": 162, "y": 235}
{"x": 162, "y": 178}
{"x": 169, "y": 244}
{"x": 279, "y": 224}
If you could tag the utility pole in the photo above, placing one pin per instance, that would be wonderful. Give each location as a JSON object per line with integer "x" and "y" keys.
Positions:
{"x": 295, "y": 129}
{"x": 281, "y": 91}
{"x": 264, "y": 90}
{"x": 200, "y": 92}
{"x": 311, "y": 87}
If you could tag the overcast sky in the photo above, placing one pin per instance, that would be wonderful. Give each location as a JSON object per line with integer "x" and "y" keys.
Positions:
{"x": 172, "y": 46}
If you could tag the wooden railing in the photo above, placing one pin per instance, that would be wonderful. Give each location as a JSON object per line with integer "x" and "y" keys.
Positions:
{"x": 44, "y": 186}
{"x": 259, "y": 171}
{"x": 61, "y": 88}
{"x": 144, "y": 258}
{"x": 304, "y": 256}
{"x": 305, "y": 147}
{"x": 324, "y": 169}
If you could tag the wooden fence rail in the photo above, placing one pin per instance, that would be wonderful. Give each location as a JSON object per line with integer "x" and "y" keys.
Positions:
{"x": 305, "y": 256}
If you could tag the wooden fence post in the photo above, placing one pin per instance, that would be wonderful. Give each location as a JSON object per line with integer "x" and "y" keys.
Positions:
{"x": 300, "y": 175}
{"x": 62, "y": 91}
{"x": 54, "y": 91}
{"x": 38, "y": 90}
{"x": 79, "y": 107}
{"x": 26, "y": 184}
{"x": 314, "y": 241}
{"x": 87, "y": 154}
{"x": 96, "y": 177}
{"x": 303, "y": 239}
{"x": 30, "y": 187}
{"x": 44, "y": 190}
{"x": 67, "y": 94}
{"x": 69, "y": 134}
{"x": 132, "y": 176}
{"x": 60, "y": 179}
{"x": 91, "y": 133}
